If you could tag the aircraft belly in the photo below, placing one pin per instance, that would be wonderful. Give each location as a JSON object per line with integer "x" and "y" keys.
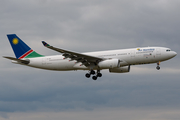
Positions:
{"x": 79, "y": 66}
{"x": 52, "y": 64}
{"x": 60, "y": 65}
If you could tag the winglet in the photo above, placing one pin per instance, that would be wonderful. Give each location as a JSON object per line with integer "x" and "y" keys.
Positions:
{"x": 45, "y": 44}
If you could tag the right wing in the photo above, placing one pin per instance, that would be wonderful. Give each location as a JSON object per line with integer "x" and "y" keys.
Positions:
{"x": 86, "y": 60}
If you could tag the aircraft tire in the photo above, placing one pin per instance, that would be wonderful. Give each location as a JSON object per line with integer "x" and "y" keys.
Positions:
{"x": 92, "y": 72}
{"x": 87, "y": 75}
{"x": 99, "y": 75}
{"x": 94, "y": 78}
{"x": 158, "y": 68}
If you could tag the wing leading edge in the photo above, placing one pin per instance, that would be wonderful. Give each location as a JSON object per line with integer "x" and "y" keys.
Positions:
{"x": 86, "y": 60}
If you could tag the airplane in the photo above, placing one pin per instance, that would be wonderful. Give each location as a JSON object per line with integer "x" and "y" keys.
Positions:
{"x": 117, "y": 61}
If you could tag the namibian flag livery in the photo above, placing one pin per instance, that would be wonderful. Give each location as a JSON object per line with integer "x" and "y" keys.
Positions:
{"x": 21, "y": 50}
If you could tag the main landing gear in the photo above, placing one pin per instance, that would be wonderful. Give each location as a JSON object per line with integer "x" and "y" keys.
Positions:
{"x": 158, "y": 68}
{"x": 96, "y": 74}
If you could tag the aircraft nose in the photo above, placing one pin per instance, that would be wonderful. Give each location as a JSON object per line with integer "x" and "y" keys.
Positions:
{"x": 174, "y": 54}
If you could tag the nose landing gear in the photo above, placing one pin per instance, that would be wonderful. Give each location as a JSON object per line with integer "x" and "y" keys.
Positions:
{"x": 92, "y": 72}
{"x": 158, "y": 68}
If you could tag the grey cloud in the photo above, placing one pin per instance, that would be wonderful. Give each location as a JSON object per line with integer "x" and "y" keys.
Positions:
{"x": 141, "y": 24}
{"x": 59, "y": 91}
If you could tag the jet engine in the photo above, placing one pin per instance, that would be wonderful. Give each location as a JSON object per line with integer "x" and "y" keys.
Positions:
{"x": 111, "y": 63}
{"x": 120, "y": 69}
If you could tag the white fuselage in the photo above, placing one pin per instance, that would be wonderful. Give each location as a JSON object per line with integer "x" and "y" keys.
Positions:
{"x": 127, "y": 57}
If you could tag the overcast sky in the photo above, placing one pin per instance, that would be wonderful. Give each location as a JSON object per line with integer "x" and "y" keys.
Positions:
{"x": 82, "y": 26}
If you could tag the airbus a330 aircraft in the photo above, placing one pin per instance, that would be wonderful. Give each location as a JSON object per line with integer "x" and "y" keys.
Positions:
{"x": 117, "y": 61}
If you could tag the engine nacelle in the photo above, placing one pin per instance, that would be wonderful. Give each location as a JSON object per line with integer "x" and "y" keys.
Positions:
{"x": 120, "y": 70}
{"x": 111, "y": 63}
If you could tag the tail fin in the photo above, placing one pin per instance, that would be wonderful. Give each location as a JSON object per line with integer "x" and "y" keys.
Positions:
{"x": 21, "y": 50}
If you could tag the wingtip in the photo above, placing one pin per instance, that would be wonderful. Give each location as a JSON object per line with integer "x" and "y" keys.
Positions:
{"x": 45, "y": 44}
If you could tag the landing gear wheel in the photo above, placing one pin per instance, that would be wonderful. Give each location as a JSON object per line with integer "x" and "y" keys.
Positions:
{"x": 92, "y": 72}
{"x": 99, "y": 75}
{"x": 87, "y": 75}
{"x": 158, "y": 68}
{"x": 94, "y": 78}
{"x": 96, "y": 74}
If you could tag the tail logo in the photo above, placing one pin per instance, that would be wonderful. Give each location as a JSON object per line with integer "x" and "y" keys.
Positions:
{"x": 15, "y": 41}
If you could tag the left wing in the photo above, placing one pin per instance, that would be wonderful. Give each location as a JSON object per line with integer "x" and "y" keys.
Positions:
{"x": 86, "y": 60}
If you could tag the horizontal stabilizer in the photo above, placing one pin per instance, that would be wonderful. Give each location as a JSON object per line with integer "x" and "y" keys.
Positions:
{"x": 18, "y": 60}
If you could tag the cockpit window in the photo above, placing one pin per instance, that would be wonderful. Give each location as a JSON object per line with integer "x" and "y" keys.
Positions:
{"x": 168, "y": 50}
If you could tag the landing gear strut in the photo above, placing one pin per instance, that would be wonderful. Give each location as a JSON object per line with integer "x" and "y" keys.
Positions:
{"x": 158, "y": 68}
{"x": 92, "y": 72}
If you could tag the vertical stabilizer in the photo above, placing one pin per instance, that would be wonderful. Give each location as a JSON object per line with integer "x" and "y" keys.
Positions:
{"x": 21, "y": 50}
